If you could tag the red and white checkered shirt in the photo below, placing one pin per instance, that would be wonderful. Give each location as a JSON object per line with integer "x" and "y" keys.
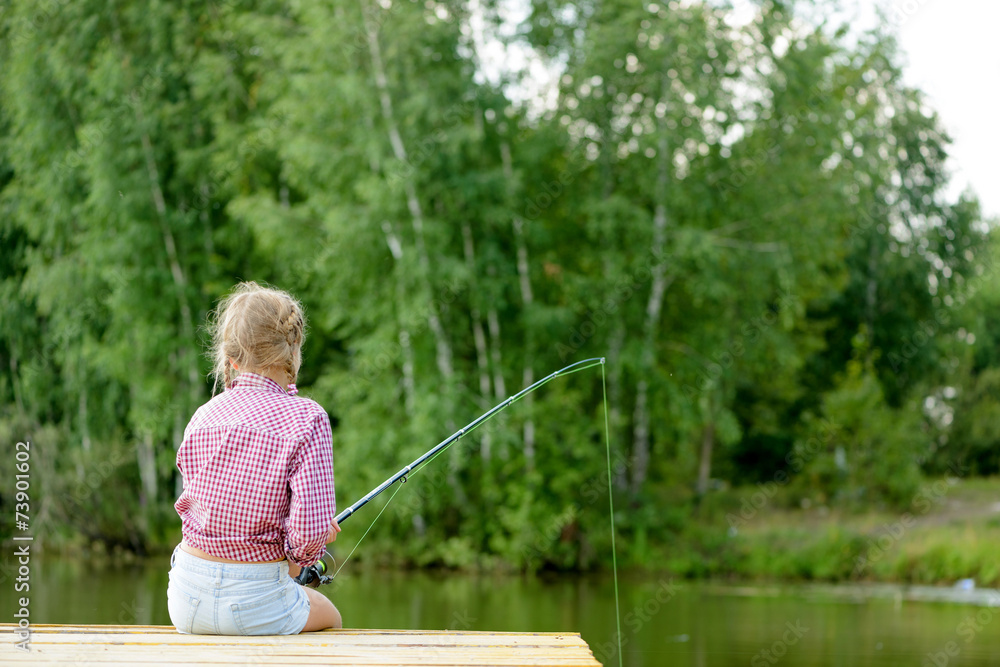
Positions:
{"x": 257, "y": 464}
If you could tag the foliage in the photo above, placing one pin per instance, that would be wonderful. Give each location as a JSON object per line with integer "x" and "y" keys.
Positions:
{"x": 748, "y": 221}
{"x": 860, "y": 451}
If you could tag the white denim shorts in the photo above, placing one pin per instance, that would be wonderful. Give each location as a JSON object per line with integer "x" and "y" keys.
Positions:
{"x": 209, "y": 598}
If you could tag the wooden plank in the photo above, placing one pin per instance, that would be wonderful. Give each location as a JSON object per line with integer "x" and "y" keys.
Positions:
{"x": 163, "y": 646}
{"x": 326, "y": 638}
{"x": 169, "y": 629}
{"x": 122, "y": 657}
{"x": 286, "y": 649}
{"x": 291, "y": 662}
{"x": 293, "y": 640}
{"x": 279, "y": 661}
{"x": 124, "y": 654}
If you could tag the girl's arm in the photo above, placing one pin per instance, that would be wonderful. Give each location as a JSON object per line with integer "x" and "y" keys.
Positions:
{"x": 310, "y": 519}
{"x": 294, "y": 568}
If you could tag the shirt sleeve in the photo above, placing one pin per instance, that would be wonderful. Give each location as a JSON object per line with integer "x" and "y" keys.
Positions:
{"x": 313, "y": 505}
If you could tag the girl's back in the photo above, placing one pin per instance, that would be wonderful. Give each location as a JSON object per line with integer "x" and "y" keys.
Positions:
{"x": 246, "y": 454}
{"x": 257, "y": 466}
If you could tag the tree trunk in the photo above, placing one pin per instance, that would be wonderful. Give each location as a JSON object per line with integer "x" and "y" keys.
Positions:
{"x": 640, "y": 433}
{"x": 409, "y": 386}
{"x": 188, "y": 338}
{"x": 493, "y": 322}
{"x": 84, "y": 418}
{"x": 180, "y": 420}
{"x": 206, "y": 222}
{"x": 527, "y": 301}
{"x": 444, "y": 354}
{"x": 496, "y": 361}
{"x": 146, "y": 458}
{"x": 705, "y": 460}
{"x": 479, "y": 336}
{"x": 871, "y": 292}
{"x": 15, "y": 383}
{"x": 654, "y": 306}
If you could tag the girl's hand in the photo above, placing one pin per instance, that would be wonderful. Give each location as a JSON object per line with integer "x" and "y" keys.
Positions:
{"x": 334, "y": 529}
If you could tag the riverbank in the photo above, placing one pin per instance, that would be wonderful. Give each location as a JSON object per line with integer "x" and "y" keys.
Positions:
{"x": 947, "y": 534}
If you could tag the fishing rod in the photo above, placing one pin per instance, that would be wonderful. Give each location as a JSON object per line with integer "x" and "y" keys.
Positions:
{"x": 315, "y": 575}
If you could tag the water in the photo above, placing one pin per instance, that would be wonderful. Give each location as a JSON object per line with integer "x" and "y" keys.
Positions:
{"x": 664, "y": 622}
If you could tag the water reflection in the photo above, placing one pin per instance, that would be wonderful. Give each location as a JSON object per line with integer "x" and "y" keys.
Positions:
{"x": 663, "y": 622}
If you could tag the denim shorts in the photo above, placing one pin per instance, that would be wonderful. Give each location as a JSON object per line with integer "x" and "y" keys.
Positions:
{"x": 209, "y": 598}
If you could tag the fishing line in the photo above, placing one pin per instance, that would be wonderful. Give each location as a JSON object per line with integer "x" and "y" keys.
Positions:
{"x": 611, "y": 513}
{"x": 417, "y": 465}
{"x": 358, "y": 543}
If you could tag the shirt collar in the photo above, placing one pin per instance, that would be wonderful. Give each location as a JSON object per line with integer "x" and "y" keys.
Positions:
{"x": 255, "y": 381}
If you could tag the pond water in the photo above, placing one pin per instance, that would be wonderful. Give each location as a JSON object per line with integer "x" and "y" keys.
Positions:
{"x": 663, "y": 621}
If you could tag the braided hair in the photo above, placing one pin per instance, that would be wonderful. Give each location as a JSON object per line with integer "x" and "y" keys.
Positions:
{"x": 258, "y": 329}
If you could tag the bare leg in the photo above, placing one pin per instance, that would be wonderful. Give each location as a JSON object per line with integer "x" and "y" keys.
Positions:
{"x": 322, "y": 613}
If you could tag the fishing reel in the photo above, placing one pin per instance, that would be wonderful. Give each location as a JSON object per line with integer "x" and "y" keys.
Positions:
{"x": 316, "y": 575}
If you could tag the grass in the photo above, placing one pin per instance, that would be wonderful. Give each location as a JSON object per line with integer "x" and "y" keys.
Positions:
{"x": 951, "y": 534}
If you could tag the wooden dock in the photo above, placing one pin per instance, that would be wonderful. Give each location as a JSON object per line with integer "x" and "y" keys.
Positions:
{"x": 163, "y": 646}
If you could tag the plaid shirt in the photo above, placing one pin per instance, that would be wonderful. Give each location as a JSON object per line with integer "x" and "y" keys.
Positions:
{"x": 257, "y": 464}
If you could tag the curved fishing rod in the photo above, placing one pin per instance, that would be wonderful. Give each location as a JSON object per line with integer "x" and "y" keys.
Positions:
{"x": 315, "y": 574}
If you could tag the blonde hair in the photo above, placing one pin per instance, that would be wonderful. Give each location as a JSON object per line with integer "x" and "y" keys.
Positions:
{"x": 258, "y": 328}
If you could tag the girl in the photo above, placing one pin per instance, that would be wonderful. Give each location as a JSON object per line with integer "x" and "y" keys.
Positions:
{"x": 257, "y": 466}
